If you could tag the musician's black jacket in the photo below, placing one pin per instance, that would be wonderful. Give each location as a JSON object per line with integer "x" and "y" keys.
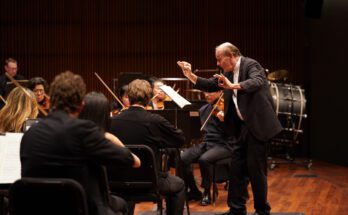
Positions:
{"x": 60, "y": 146}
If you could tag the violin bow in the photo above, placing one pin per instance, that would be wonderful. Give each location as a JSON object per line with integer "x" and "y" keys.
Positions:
{"x": 107, "y": 87}
{"x": 212, "y": 110}
{"x": 15, "y": 82}
{"x": 2, "y": 99}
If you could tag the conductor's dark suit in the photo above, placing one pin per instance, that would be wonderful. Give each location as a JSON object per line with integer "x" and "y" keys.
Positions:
{"x": 138, "y": 126}
{"x": 249, "y": 137}
{"x": 60, "y": 146}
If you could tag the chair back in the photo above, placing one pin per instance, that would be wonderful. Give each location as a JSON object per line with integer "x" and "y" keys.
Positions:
{"x": 136, "y": 184}
{"x": 47, "y": 196}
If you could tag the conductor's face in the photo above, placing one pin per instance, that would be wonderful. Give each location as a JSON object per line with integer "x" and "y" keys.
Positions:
{"x": 227, "y": 63}
{"x": 11, "y": 69}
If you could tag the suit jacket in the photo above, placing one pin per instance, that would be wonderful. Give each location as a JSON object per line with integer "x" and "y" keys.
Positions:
{"x": 60, "y": 146}
{"x": 138, "y": 126}
{"x": 254, "y": 101}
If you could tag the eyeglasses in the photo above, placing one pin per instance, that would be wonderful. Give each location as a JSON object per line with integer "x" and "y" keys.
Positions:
{"x": 39, "y": 91}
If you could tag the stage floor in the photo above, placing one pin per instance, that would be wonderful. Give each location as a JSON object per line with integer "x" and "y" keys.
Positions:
{"x": 323, "y": 190}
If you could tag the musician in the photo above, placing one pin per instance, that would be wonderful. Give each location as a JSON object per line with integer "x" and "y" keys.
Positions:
{"x": 11, "y": 69}
{"x": 63, "y": 146}
{"x": 157, "y": 101}
{"x": 97, "y": 108}
{"x": 20, "y": 105}
{"x": 213, "y": 148}
{"x": 116, "y": 106}
{"x": 138, "y": 126}
{"x": 250, "y": 121}
{"x": 39, "y": 86}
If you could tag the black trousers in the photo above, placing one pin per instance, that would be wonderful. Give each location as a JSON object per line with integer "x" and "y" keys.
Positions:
{"x": 173, "y": 188}
{"x": 249, "y": 164}
{"x": 206, "y": 158}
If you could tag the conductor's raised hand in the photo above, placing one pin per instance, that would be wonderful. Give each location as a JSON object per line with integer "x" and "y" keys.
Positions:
{"x": 185, "y": 67}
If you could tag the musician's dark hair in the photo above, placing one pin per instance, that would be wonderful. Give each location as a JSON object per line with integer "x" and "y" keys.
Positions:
{"x": 37, "y": 81}
{"x": 139, "y": 92}
{"x": 10, "y": 60}
{"x": 67, "y": 92}
{"x": 97, "y": 109}
{"x": 123, "y": 90}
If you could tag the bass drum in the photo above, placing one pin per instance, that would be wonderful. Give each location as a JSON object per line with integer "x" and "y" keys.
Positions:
{"x": 290, "y": 106}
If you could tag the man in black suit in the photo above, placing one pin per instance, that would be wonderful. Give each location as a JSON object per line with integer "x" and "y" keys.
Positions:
{"x": 135, "y": 125}
{"x": 250, "y": 121}
{"x": 11, "y": 68}
{"x": 214, "y": 147}
{"x": 63, "y": 146}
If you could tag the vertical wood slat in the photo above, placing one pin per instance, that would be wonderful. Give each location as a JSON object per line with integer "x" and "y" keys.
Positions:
{"x": 110, "y": 37}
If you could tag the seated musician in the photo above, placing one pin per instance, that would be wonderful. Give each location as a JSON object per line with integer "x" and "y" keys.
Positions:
{"x": 63, "y": 146}
{"x": 20, "y": 105}
{"x": 157, "y": 101}
{"x": 39, "y": 86}
{"x": 116, "y": 106}
{"x": 138, "y": 126}
{"x": 212, "y": 148}
{"x": 96, "y": 108}
{"x": 11, "y": 69}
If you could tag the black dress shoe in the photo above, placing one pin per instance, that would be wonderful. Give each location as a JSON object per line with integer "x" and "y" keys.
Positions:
{"x": 206, "y": 200}
{"x": 194, "y": 196}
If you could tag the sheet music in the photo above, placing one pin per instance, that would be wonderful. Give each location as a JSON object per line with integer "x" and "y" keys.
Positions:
{"x": 10, "y": 165}
{"x": 178, "y": 99}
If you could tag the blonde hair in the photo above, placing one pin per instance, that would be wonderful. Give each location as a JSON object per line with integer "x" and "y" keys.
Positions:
{"x": 20, "y": 105}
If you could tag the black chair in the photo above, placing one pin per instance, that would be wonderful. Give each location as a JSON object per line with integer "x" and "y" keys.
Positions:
{"x": 137, "y": 184}
{"x": 52, "y": 196}
{"x": 221, "y": 167}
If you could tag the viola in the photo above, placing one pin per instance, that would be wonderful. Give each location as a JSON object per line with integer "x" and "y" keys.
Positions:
{"x": 45, "y": 104}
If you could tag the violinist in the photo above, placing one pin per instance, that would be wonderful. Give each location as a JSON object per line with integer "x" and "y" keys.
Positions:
{"x": 11, "y": 68}
{"x": 136, "y": 125}
{"x": 213, "y": 147}
{"x": 116, "y": 106}
{"x": 39, "y": 86}
{"x": 157, "y": 101}
{"x": 20, "y": 106}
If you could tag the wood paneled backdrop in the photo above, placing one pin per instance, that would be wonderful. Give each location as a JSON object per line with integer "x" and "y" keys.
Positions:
{"x": 109, "y": 37}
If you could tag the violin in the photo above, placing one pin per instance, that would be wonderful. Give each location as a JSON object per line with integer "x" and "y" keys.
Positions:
{"x": 117, "y": 111}
{"x": 45, "y": 103}
{"x": 220, "y": 106}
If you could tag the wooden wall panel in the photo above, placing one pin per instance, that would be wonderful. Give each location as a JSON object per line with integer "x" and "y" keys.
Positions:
{"x": 109, "y": 37}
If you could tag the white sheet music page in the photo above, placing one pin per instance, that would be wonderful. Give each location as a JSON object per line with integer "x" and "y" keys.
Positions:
{"x": 10, "y": 165}
{"x": 178, "y": 99}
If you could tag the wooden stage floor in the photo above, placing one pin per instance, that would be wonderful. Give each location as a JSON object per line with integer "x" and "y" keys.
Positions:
{"x": 321, "y": 190}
